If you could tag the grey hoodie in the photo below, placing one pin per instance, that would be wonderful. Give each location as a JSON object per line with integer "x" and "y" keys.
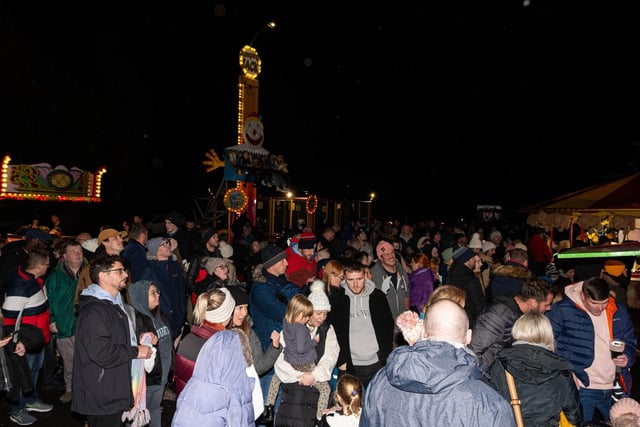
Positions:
{"x": 364, "y": 345}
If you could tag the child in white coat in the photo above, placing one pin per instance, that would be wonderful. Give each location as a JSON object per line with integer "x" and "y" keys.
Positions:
{"x": 349, "y": 403}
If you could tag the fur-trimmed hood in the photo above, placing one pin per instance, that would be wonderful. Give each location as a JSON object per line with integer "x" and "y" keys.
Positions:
{"x": 511, "y": 270}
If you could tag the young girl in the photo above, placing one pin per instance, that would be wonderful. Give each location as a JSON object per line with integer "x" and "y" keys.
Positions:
{"x": 300, "y": 349}
{"x": 349, "y": 403}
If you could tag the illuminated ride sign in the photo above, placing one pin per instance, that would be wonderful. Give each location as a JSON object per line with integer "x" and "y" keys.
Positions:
{"x": 43, "y": 182}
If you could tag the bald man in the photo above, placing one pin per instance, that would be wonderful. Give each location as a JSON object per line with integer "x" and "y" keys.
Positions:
{"x": 436, "y": 381}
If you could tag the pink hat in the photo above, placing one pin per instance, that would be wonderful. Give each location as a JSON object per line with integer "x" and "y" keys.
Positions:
{"x": 624, "y": 406}
{"x": 382, "y": 247}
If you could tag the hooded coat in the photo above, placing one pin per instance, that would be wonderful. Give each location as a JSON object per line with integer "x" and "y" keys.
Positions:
{"x": 433, "y": 383}
{"x": 219, "y": 393}
{"x": 544, "y": 382}
{"x": 158, "y": 324}
{"x": 102, "y": 356}
{"x": 507, "y": 279}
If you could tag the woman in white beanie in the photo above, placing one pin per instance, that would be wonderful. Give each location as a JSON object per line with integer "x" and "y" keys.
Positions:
{"x": 211, "y": 314}
{"x": 486, "y": 255}
{"x": 293, "y": 411}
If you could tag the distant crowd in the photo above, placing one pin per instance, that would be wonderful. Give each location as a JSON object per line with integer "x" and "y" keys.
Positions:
{"x": 386, "y": 323}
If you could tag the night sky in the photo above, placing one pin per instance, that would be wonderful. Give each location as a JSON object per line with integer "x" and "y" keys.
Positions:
{"x": 444, "y": 105}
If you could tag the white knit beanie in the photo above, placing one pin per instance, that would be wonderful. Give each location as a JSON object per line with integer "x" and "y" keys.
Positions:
{"x": 318, "y": 297}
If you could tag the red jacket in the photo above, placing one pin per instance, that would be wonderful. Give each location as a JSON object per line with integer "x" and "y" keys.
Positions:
{"x": 297, "y": 262}
{"x": 539, "y": 250}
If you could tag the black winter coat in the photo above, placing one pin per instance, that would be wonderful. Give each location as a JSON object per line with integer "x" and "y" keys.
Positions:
{"x": 15, "y": 373}
{"x": 464, "y": 278}
{"x": 102, "y": 359}
{"x": 493, "y": 330}
{"x": 544, "y": 382}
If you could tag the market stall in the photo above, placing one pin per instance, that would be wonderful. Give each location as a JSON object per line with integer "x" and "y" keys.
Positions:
{"x": 601, "y": 209}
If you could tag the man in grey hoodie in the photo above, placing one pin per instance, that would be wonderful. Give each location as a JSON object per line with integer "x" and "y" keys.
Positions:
{"x": 363, "y": 323}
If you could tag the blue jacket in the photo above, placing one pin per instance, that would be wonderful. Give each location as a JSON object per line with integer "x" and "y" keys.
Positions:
{"x": 168, "y": 277}
{"x": 136, "y": 253}
{"x": 433, "y": 383}
{"x": 219, "y": 393}
{"x": 268, "y": 305}
{"x": 574, "y": 335}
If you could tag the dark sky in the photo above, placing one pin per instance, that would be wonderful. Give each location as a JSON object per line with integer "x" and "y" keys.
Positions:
{"x": 443, "y": 105}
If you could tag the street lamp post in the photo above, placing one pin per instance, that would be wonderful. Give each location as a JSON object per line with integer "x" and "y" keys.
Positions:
{"x": 269, "y": 26}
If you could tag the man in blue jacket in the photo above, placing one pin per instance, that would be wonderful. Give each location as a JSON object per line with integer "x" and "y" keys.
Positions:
{"x": 584, "y": 322}
{"x": 268, "y": 301}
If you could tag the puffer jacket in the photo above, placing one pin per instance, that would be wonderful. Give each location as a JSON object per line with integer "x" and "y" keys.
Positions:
{"x": 574, "y": 333}
{"x": 493, "y": 330}
{"x": 219, "y": 393}
{"x": 544, "y": 382}
{"x": 188, "y": 350}
{"x": 433, "y": 383}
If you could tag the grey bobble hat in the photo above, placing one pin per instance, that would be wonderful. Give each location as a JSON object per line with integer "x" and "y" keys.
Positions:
{"x": 271, "y": 254}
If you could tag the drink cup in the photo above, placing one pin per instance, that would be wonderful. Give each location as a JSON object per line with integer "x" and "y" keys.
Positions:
{"x": 616, "y": 347}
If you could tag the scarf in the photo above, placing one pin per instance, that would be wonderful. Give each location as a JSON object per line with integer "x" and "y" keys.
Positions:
{"x": 139, "y": 416}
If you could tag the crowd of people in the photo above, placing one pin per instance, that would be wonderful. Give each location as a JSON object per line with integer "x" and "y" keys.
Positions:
{"x": 355, "y": 325}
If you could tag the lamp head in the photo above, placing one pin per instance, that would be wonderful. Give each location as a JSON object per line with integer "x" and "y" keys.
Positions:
{"x": 271, "y": 25}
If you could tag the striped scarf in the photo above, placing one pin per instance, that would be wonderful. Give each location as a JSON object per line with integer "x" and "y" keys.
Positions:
{"x": 139, "y": 416}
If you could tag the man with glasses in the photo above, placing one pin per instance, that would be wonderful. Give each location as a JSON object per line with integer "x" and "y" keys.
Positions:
{"x": 110, "y": 242}
{"x": 26, "y": 300}
{"x": 106, "y": 344}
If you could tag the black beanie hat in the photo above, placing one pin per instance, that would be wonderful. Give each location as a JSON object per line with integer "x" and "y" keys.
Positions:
{"x": 239, "y": 295}
{"x": 462, "y": 255}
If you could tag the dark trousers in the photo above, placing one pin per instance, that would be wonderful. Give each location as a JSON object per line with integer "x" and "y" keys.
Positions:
{"x": 113, "y": 420}
{"x": 366, "y": 373}
{"x": 50, "y": 365}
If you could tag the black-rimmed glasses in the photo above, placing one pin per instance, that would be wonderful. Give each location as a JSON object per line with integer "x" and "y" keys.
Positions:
{"x": 120, "y": 270}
